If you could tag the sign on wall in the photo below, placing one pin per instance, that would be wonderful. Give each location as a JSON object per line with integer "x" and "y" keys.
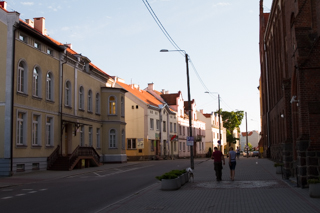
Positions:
{"x": 140, "y": 144}
{"x": 190, "y": 141}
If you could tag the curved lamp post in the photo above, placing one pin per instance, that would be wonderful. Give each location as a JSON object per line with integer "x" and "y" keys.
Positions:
{"x": 189, "y": 103}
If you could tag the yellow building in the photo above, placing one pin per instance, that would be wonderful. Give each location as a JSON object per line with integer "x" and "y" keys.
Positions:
{"x": 58, "y": 110}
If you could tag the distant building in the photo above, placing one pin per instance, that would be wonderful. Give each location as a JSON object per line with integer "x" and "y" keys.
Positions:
{"x": 253, "y": 139}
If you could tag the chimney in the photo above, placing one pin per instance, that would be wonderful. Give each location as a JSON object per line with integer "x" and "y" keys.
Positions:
{"x": 201, "y": 111}
{"x": 39, "y": 24}
{"x": 150, "y": 86}
{"x": 167, "y": 92}
{"x": 30, "y": 22}
{"x": 163, "y": 92}
{"x": 3, "y": 4}
{"x": 68, "y": 45}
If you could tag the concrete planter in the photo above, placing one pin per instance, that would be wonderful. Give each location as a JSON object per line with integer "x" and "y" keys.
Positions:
{"x": 182, "y": 179}
{"x": 170, "y": 184}
{"x": 314, "y": 190}
{"x": 278, "y": 170}
{"x": 186, "y": 176}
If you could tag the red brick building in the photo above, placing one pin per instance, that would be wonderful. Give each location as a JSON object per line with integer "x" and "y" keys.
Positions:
{"x": 290, "y": 86}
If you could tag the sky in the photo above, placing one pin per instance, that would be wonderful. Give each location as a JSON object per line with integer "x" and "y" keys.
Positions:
{"x": 121, "y": 37}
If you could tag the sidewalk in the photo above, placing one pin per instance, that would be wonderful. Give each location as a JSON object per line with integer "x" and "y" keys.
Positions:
{"x": 257, "y": 188}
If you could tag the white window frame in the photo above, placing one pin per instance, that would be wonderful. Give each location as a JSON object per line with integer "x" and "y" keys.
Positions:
{"x": 112, "y": 106}
{"x": 123, "y": 139}
{"x": 81, "y": 135}
{"x": 97, "y": 103}
{"x": 90, "y": 100}
{"x": 36, "y": 82}
{"x": 22, "y": 77}
{"x": 151, "y": 123}
{"x": 68, "y": 91}
{"x": 131, "y": 143}
{"x": 21, "y": 133}
{"x": 98, "y": 138}
{"x": 49, "y": 86}
{"x": 122, "y": 106}
{"x": 90, "y": 136}
{"x": 49, "y": 131}
{"x": 113, "y": 138}
{"x": 81, "y": 98}
{"x": 36, "y": 130}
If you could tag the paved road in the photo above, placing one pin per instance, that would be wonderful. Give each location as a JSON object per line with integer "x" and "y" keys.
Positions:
{"x": 89, "y": 191}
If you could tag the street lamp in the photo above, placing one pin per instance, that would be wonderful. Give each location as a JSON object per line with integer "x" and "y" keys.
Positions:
{"x": 189, "y": 102}
{"x": 219, "y": 117}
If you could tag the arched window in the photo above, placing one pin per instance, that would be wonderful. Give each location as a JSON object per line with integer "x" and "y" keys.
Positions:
{"x": 122, "y": 106}
{"x": 90, "y": 101}
{"x": 123, "y": 139}
{"x": 98, "y": 103}
{"x": 112, "y": 138}
{"x": 49, "y": 89}
{"x": 68, "y": 94}
{"x": 112, "y": 105}
{"x": 81, "y": 100}
{"x": 22, "y": 77}
{"x": 36, "y": 83}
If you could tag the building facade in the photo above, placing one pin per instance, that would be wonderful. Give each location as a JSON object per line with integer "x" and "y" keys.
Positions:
{"x": 290, "y": 86}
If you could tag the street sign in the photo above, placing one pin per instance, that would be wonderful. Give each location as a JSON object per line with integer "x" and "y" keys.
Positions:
{"x": 190, "y": 141}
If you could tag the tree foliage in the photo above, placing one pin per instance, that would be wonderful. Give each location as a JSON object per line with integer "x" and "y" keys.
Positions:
{"x": 231, "y": 120}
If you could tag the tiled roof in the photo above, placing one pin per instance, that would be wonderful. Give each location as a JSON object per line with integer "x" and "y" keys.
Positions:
{"x": 141, "y": 94}
{"x": 186, "y": 104}
{"x": 207, "y": 115}
{"x": 171, "y": 99}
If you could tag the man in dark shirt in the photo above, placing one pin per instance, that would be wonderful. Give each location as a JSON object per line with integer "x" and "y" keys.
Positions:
{"x": 218, "y": 157}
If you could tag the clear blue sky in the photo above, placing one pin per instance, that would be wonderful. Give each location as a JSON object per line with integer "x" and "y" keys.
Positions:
{"x": 121, "y": 37}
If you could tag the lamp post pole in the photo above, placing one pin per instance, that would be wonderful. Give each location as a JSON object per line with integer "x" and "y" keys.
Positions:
{"x": 189, "y": 102}
{"x": 247, "y": 136}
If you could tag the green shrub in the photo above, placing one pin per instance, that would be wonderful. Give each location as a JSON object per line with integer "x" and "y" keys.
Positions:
{"x": 313, "y": 181}
{"x": 171, "y": 175}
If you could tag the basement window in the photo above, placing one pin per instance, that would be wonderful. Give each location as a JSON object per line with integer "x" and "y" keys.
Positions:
{"x": 35, "y": 166}
{"x": 20, "y": 168}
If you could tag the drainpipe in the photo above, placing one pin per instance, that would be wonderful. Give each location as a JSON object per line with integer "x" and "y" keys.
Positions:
{"x": 12, "y": 97}
{"x": 61, "y": 100}
{"x": 268, "y": 101}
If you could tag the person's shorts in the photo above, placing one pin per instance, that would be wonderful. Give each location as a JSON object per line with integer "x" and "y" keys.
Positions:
{"x": 232, "y": 166}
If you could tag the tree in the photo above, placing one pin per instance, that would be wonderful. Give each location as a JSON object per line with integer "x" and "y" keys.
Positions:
{"x": 231, "y": 120}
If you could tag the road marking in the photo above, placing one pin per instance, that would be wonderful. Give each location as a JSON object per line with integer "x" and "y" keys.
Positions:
{"x": 32, "y": 192}
{"x": 7, "y": 190}
{"x": 43, "y": 190}
{"x": 18, "y": 195}
{"x": 27, "y": 189}
{"x": 4, "y": 198}
{"x": 96, "y": 174}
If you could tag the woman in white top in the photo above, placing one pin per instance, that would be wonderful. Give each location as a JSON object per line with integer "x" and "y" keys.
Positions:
{"x": 232, "y": 162}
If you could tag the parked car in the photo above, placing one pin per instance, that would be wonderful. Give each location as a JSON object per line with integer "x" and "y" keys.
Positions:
{"x": 244, "y": 153}
{"x": 255, "y": 154}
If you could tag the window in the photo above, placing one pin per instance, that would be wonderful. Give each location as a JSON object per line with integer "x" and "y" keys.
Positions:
{"x": 68, "y": 94}
{"x": 184, "y": 130}
{"x": 184, "y": 146}
{"x": 82, "y": 136}
{"x": 49, "y": 52}
{"x": 170, "y": 126}
{"x": 131, "y": 143}
{"x": 90, "y": 101}
{"x": 21, "y": 124}
{"x": 164, "y": 126}
{"x": 158, "y": 124}
{"x": 175, "y": 146}
{"x": 98, "y": 137}
{"x": 151, "y": 123}
{"x": 122, "y": 106}
{"x": 23, "y": 38}
{"x": 180, "y": 146}
{"x": 35, "y": 82}
{"x": 81, "y": 100}
{"x": 35, "y": 130}
{"x": 49, "y": 131}
{"x": 123, "y": 139}
{"x": 112, "y": 105}
{"x": 175, "y": 128}
{"x": 112, "y": 138}
{"x": 98, "y": 103}
{"x": 37, "y": 45}
{"x": 152, "y": 145}
{"x": 90, "y": 136}
{"x": 49, "y": 88}
{"x": 22, "y": 75}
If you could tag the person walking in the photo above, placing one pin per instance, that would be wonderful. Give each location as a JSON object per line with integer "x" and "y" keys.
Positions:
{"x": 232, "y": 162}
{"x": 238, "y": 153}
{"x": 218, "y": 157}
